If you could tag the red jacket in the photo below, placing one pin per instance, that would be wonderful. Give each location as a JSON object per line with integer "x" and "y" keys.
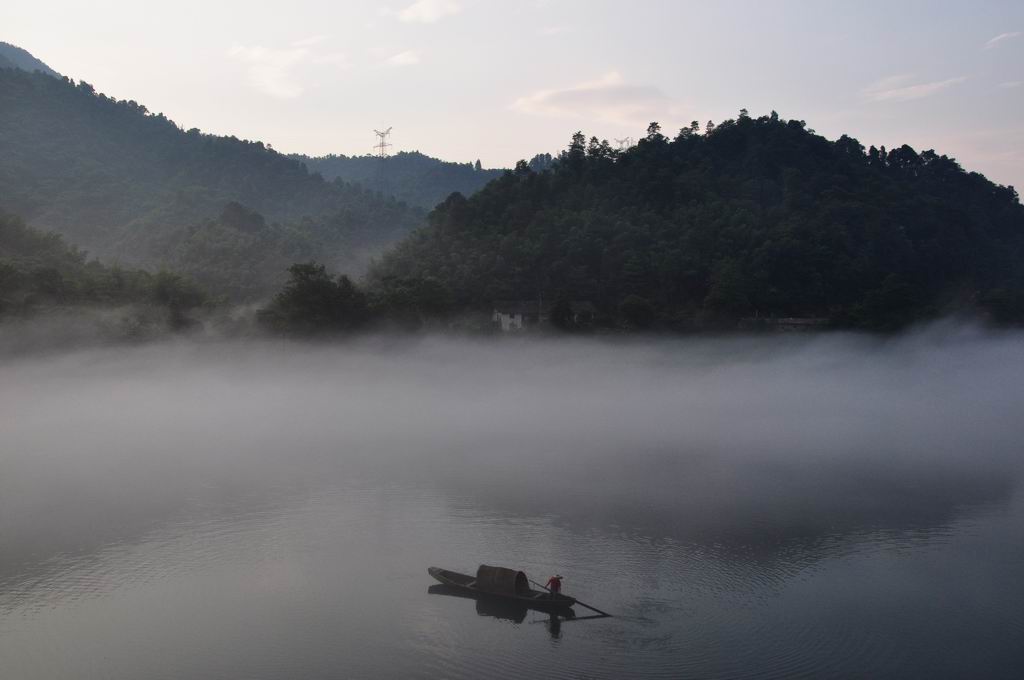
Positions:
{"x": 555, "y": 584}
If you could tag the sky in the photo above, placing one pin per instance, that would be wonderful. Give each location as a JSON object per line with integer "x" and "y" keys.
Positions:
{"x": 500, "y": 81}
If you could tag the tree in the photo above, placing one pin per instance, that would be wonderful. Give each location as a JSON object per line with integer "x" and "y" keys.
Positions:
{"x": 313, "y": 303}
{"x": 637, "y": 311}
{"x": 174, "y": 291}
{"x": 577, "y": 153}
{"x": 178, "y": 296}
{"x": 541, "y": 162}
{"x": 410, "y": 302}
{"x": 727, "y": 296}
{"x": 760, "y": 217}
{"x": 577, "y": 147}
{"x": 562, "y": 316}
{"x": 636, "y": 274}
{"x": 654, "y": 133}
{"x": 39, "y": 273}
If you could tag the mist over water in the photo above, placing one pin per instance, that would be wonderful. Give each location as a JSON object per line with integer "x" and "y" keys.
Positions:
{"x": 747, "y": 507}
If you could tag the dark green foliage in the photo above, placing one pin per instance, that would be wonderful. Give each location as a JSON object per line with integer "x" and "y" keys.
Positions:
{"x": 131, "y": 185}
{"x": 637, "y": 311}
{"x": 728, "y": 291}
{"x": 313, "y": 303}
{"x": 760, "y": 217}
{"x": 412, "y": 177}
{"x": 39, "y": 272}
{"x": 410, "y": 303}
{"x": 562, "y": 315}
{"x": 541, "y": 162}
{"x": 238, "y": 217}
{"x": 243, "y": 257}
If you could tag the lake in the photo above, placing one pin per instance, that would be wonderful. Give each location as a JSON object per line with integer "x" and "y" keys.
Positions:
{"x": 776, "y": 507}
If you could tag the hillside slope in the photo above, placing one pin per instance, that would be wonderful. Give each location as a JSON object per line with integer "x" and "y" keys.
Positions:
{"x": 12, "y": 56}
{"x": 756, "y": 218}
{"x": 39, "y": 273}
{"x": 121, "y": 182}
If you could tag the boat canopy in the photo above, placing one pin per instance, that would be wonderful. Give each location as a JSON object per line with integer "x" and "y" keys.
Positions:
{"x": 501, "y": 580}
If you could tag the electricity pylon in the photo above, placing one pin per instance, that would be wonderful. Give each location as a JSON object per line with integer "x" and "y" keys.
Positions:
{"x": 382, "y": 145}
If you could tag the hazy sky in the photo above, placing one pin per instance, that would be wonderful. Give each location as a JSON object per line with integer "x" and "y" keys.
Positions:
{"x": 499, "y": 81}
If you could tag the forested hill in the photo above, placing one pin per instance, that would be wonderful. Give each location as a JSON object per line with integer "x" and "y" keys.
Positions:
{"x": 39, "y": 273}
{"x": 412, "y": 177}
{"x": 121, "y": 181}
{"x": 757, "y": 217}
{"x": 12, "y": 56}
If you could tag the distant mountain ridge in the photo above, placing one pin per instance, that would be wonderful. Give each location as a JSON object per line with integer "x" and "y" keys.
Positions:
{"x": 130, "y": 185}
{"x": 409, "y": 176}
{"x": 12, "y": 56}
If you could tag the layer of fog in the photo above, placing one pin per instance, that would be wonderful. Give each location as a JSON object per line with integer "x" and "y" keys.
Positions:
{"x": 58, "y": 330}
{"x": 713, "y": 439}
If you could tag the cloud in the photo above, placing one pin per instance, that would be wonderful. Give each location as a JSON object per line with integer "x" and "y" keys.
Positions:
{"x": 899, "y": 89}
{"x": 608, "y": 99}
{"x": 406, "y": 58}
{"x": 428, "y": 11}
{"x": 271, "y": 70}
{"x": 1010, "y": 84}
{"x": 310, "y": 41}
{"x": 331, "y": 59}
{"x": 1001, "y": 38}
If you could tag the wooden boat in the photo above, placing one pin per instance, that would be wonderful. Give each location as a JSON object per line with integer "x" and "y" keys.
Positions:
{"x": 498, "y": 582}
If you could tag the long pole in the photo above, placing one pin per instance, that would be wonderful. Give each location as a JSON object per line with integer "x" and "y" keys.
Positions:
{"x": 588, "y": 617}
{"x": 582, "y": 604}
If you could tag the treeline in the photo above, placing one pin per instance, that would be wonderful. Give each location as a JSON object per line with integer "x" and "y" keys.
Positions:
{"x": 752, "y": 218}
{"x": 313, "y": 302}
{"x": 241, "y": 256}
{"x": 128, "y": 184}
{"x": 709, "y": 227}
{"x": 409, "y": 176}
{"x": 41, "y": 274}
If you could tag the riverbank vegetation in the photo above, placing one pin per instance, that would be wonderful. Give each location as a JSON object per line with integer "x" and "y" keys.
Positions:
{"x": 43, "y": 277}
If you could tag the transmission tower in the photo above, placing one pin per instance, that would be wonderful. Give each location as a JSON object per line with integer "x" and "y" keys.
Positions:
{"x": 383, "y": 144}
{"x": 624, "y": 143}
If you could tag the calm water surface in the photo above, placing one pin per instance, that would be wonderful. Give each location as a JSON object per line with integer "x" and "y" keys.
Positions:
{"x": 822, "y": 508}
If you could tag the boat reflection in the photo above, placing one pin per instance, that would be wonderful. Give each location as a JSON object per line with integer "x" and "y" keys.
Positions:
{"x": 506, "y": 610}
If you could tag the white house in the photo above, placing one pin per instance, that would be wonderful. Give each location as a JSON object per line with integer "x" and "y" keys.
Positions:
{"x": 517, "y": 315}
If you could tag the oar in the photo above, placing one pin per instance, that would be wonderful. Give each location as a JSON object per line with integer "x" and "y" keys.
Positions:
{"x": 582, "y": 604}
{"x": 567, "y": 619}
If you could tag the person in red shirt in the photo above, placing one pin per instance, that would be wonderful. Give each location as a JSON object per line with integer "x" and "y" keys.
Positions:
{"x": 555, "y": 585}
